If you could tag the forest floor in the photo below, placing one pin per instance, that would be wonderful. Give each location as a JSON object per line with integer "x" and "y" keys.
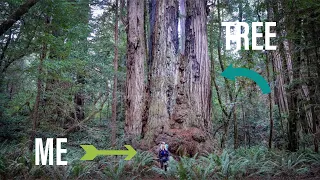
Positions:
{"x": 252, "y": 163}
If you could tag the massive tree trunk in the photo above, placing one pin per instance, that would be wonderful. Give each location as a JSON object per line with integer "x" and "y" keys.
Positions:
{"x": 135, "y": 68}
{"x": 180, "y": 92}
{"x": 16, "y": 15}
{"x": 164, "y": 54}
{"x": 194, "y": 89}
{"x": 192, "y": 110}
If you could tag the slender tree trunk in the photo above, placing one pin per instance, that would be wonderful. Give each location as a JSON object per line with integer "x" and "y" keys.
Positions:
{"x": 245, "y": 125}
{"x": 107, "y": 97}
{"x": 135, "y": 69}
{"x": 115, "y": 79}
{"x": 228, "y": 91}
{"x": 269, "y": 59}
{"x": 235, "y": 123}
{"x": 79, "y": 98}
{"x": 235, "y": 127}
{"x": 35, "y": 113}
{"x": 270, "y": 107}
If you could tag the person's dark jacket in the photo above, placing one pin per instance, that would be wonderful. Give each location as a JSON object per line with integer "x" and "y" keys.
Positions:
{"x": 163, "y": 155}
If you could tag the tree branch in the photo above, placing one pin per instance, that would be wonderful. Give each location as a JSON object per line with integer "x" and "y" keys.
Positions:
{"x": 88, "y": 118}
{"x": 15, "y": 16}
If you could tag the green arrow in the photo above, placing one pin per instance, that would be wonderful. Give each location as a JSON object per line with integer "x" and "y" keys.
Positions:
{"x": 231, "y": 74}
{"x": 92, "y": 152}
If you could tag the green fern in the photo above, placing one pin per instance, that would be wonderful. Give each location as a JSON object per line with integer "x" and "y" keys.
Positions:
{"x": 115, "y": 172}
{"x": 142, "y": 162}
{"x": 313, "y": 158}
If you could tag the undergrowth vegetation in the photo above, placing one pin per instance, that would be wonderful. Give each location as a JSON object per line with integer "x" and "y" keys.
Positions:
{"x": 255, "y": 162}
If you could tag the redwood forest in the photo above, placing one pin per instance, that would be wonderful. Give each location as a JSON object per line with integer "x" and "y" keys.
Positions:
{"x": 159, "y": 89}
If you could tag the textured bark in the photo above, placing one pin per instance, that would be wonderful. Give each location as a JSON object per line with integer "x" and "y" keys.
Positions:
{"x": 278, "y": 61}
{"x": 180, "y": 96}
{"x": 152, "y": 14}
{"x": 164, "y": 55}
{"x": 192, "y": 109}
{"x": 79, "y": 100}
{"x": 270, "y": 109}
{"x": 15, "y": 16}
{"x": 293, "y": 62}
{"x": 311, "y": 33}
{"x": 182, "y": 15}
{"x": 287, "y": 99}
{"x": 194, "y": 89}
{"x": 135, "y": 68}
{"x": 267, "y": 63}
{"x": 235, "y": 127}
{"x": 225, "y": 119}
{"x": 115, "y": 79}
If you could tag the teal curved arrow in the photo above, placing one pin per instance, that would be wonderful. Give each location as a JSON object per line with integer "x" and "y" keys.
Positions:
{"x": 231, "y": 73}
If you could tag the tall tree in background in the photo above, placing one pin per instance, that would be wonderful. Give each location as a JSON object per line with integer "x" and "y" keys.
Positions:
{"x": 292, "y": 65}
{"x": 115, "y": 80}
{"x": 79, "y": 98}
{"x": 136, "y": 56}
{"x": 35, "y": 113}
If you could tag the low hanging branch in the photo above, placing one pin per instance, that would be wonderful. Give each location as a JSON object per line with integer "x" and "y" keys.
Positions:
{"x": 88, "y": 118}
{"x": 16, "y": 15}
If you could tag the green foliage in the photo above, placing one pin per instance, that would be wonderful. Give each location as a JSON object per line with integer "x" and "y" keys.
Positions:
{"x": 115, "y": 171}
{"x": 256, "y": 161}
{"x": 142, "y": 162}
{"x": 2, "y": 158}
{"x": 313, "y": 158}
{"x": 174, "y": 170}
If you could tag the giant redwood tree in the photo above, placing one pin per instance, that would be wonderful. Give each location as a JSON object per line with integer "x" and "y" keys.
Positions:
{"x": 164, "y": 53}
{"x": 136, "y": 56}
{"x": 192, "y": 110}
{"x": 180, "y": 91}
